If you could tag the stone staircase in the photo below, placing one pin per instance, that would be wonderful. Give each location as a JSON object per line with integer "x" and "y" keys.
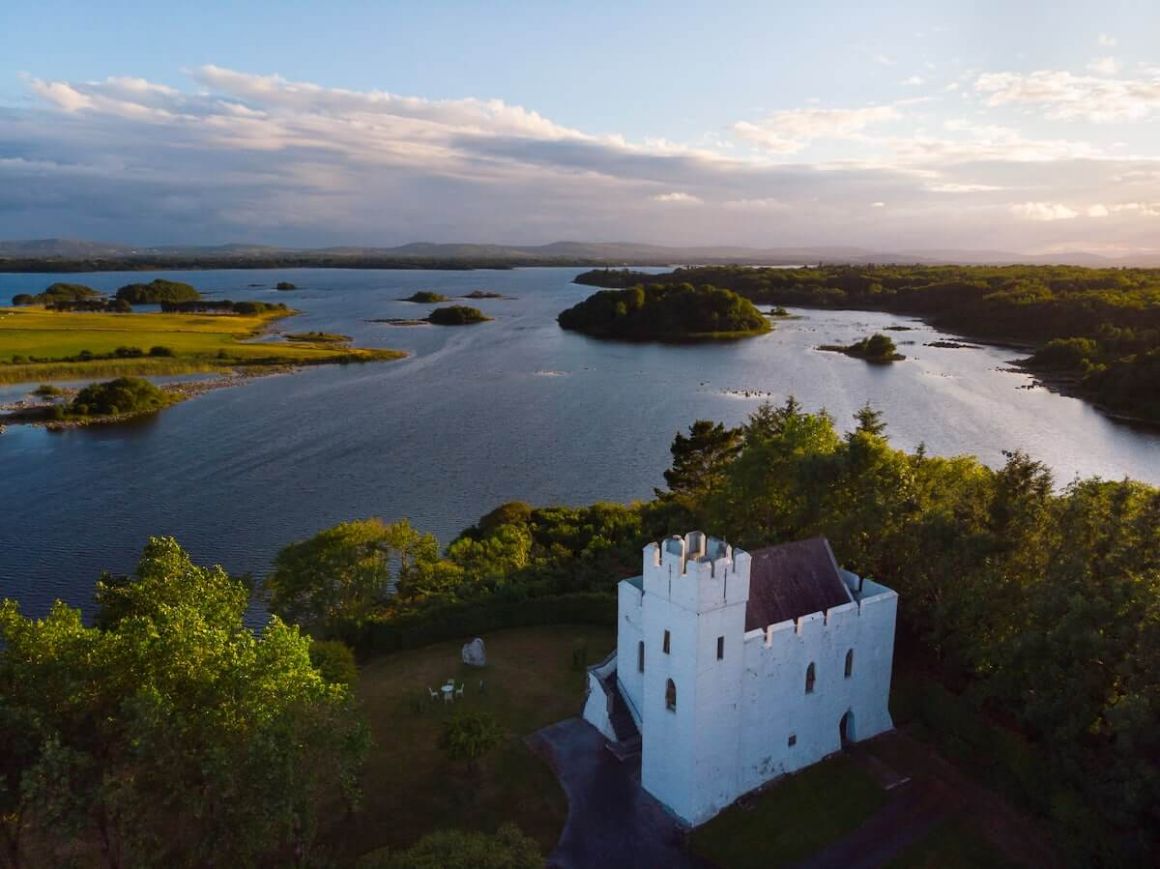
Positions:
{"x": 627, "y": 743}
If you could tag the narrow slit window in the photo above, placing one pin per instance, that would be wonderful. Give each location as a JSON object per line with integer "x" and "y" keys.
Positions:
{"x": 811, "y": 677}
{"x": 792, "y": 741}
{"x": 671, "y": 696}
{"x": 849, "y": 663}
{"x": 720, "y": 648}
{"x": 640, "y": 657}
{"x": 666, "y": 646}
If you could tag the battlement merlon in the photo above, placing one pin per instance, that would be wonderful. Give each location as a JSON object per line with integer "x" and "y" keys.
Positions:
{"x": 696, "y": 572}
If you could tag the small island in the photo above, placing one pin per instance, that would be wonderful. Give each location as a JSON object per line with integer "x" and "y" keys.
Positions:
{"x": 425, "y": 297}
{"x": 157, "y": 291}
{"x": 318, "y": 337}
{"x": 457, "y": 315}
{"x": 675, "y": 314}
{"x": 878, "y": 349}
{"x": 285, "y": 285}
{"x": 110, "y": 401}
{"x": 484, "y": 294}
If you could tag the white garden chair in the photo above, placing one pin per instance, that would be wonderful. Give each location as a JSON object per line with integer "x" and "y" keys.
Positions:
{"x": 459, "y": 691}
{"x": 434, "y": 694}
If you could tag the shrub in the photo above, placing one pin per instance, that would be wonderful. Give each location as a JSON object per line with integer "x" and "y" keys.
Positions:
{"x": 335, "y": 660}
{"x": 160, "y": 350}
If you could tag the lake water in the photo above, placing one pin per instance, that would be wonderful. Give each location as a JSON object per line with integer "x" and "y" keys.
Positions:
{"x": 515, "y": 409}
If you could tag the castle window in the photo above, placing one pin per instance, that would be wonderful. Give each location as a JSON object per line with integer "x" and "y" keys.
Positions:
{"x": 671, "y": 696}
{"x": 720, "y": 648}
{"x": 666, "y": 645}
{"x": 792, "y": 741}
{"x": 640, "y": 657}
{"x": 849, "y": 663}
{"x": 811, "y": 677}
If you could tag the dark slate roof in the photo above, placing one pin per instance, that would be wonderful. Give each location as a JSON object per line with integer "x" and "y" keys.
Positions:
{"x": 793, "y": 580}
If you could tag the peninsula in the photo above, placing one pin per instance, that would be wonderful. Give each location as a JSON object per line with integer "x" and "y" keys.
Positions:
{"x": 40, "y": 345}
{"x": 1114, "y": 312}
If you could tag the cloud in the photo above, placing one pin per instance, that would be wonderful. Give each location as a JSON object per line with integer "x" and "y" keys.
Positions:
{"x": 913, "y": 80}
{"x": 1066, "y": 96}
{"x": 789, "y": 131}
{"x": 958, "y": 187}
{"x": 678, "y": 198}
{"x": 1043, "y": 211}
{"x": 1106, "y": 41}
{"x": 766, "y": 204}
{"x": 235, "y": 156}
{"x": 1104, "y": 66}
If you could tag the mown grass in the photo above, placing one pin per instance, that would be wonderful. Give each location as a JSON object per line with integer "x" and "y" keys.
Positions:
{"x": 198, "y": 343}
{"x": 793, "y": 819}
{"x": 951, "y": 844}
{"x": 410, "y": 788}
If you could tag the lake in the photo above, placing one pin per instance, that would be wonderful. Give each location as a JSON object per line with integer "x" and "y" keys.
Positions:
{"x": 515, "y": 409}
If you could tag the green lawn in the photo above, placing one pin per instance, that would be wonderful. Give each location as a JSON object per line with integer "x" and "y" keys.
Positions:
{"x": 951, "y": 844}
{"x": 793, "y": 819}
{"x": 200, "y": 342}
{"x": 411, "y": 788}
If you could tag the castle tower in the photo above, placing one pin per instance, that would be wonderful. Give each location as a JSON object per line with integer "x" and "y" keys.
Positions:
{"x": 695, "y": 593}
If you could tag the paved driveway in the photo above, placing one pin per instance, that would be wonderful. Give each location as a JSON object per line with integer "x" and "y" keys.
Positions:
{"x": 612, "y": 822}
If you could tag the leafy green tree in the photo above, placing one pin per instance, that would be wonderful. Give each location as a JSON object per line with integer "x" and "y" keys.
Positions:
{"x": 345, "y": 573}
{"x": 469, "y": 736}
{"x": 700, "y": 458}
{"x": 172, "y": 734}
{"x": 334, "y": 659}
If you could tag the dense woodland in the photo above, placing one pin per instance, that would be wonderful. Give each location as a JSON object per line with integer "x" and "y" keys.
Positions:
{"x": 1116, "y": 311}
{"x": 1036, "y": 612}
{"x": 665, "y": 312}
{"x": 1032, "y": 615}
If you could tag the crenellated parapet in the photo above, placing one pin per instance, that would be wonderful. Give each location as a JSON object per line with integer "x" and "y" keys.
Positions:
{"x": 696, "y": 572}
{"x": 813, "y": 626}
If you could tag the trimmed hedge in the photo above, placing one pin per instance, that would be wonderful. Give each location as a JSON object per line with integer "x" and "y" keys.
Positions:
{"x": 474, "y": 618}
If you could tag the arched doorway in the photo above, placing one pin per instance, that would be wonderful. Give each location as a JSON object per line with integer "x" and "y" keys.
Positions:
{"x": 846, "y": 728}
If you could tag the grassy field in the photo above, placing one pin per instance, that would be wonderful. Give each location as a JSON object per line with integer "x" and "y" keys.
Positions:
{"x": 200, "y": 342}
{"x": 952, "y": 844}
{"x": 793, "y": 819}
{"x": 410, "y": 788}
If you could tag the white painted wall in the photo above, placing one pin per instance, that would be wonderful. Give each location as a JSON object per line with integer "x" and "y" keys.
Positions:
{"x": 729, "y": 732}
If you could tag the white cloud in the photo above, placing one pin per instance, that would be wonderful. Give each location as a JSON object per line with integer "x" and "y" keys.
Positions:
{"x": 1142, "y": 209}
{"x": 766, "y": 204}
{"x": 1104, "y": 66}
{"x": 955, "y": 187}
{"x": 1106, "y": 41}
{"x": 789, "y": 131}
{"x": 913, "y": 80}
{"x": 884, "y": 60}
{"x": 1043, "y": 211}
{"x": 1067, "y": 96}
{"x": 678, "y": 198}
{"x": 237, "y": 156}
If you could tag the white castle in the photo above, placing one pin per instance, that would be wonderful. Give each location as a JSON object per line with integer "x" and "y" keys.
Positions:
{"x": 738, "y": 667}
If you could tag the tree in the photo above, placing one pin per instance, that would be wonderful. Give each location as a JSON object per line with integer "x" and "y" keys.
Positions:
{"x": 172, "y": 734}
{"x": 344, "y": 573}
{"x": 870, "y": 420}
{"x": 700, "y": 458}
{"x": 469, "y": 736}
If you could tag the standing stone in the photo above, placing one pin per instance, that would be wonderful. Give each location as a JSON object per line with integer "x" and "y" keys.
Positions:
{"x": 474, "y": 654}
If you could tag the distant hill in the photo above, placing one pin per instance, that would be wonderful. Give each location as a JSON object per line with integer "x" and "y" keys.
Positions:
{"x": 60, "y": 254}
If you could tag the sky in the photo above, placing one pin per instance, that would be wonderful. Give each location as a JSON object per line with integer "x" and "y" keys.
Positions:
{"x": 1019, "y": 126}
